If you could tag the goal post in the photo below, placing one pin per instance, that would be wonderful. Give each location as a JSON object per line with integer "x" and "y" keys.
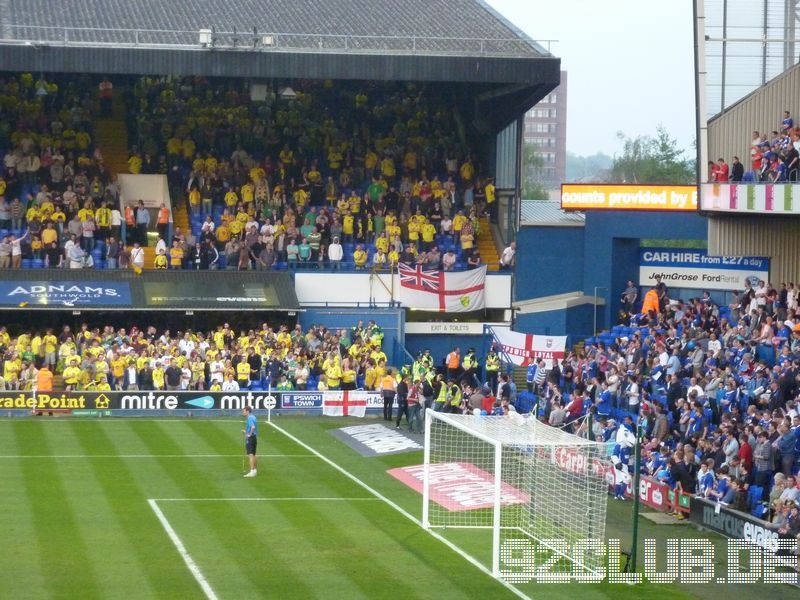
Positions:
{"x": 514, "y": 484}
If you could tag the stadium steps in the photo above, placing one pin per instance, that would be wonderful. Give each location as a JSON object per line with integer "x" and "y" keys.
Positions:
{"x": 149, "y": 256}
{"x": 58, "y": 382}
{"x": 520, "y": 378}
{"x": 487, "y": 246}
{"x": 111, "y": 136}
{"x": 180, "y": 216}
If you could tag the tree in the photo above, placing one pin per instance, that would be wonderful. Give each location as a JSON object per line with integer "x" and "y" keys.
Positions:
{"x": 588, "y": 169}
{"x": 656, "y": 160}
{"x": 532, "y": 165}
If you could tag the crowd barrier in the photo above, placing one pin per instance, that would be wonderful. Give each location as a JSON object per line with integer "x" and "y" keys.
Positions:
{"x": 199, "y": 401}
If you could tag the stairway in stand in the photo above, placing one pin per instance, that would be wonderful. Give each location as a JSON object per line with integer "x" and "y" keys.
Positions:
{"x": 180, "y": 216}
{"x": 111, "y": 136}
{"x": 487, "y": 246}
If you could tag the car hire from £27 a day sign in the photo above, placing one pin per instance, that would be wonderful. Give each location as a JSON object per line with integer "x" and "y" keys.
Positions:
{"x": 695, "y": 269}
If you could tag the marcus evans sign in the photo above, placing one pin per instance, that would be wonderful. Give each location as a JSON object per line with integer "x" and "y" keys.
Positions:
{"x": 695, "y": 269}
{"x": 217, "y": 294}
{"x": 733, "y": 524}
{"x": 65, "y": 293}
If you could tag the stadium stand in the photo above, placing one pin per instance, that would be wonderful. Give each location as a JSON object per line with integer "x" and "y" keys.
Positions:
{"x": 774, "y": 157}
{"x": 284, "y": 359}
{"x": 382, "y": 178}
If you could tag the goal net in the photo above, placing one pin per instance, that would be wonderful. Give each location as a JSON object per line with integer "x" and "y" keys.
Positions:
{"x": 532, "y": 494}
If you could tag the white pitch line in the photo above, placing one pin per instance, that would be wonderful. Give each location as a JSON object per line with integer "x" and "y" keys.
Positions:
{"x": 11, "y": 456}
{"x": 513, "y": 589}
{"x": 193, "y": 568}
{"x": 336, "y": 499}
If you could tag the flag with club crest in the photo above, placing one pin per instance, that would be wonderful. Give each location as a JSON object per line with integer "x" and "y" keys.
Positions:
{"x": 442, "y": 291}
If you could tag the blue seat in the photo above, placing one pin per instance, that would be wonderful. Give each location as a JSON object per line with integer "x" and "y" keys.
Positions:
{"x": 26, "y": 263}
{"x": 37, "y": 263}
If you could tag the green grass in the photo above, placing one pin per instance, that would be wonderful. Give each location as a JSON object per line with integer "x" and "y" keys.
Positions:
{"x": 83, "y": 528}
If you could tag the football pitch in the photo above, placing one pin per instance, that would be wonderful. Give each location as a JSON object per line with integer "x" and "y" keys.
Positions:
{"x": 158, "y": 508}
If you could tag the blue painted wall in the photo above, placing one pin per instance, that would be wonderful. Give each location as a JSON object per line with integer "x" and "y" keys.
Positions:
{"x": 603, "y": 254}
{"x": 550, "y": 260}
{"x": 611, "y": 244}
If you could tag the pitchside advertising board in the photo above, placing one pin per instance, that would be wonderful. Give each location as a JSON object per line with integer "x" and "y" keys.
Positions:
{"x": 65, "y": 293}
{"x": 733, "y": 524}
{"x": 168, "y": 401}
{"x": 695, "y": 269}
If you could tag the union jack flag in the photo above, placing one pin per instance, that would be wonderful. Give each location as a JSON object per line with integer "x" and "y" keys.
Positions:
{"x": 417, "y": 278}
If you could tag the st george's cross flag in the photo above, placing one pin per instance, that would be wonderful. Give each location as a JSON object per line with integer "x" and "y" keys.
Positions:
{"x": 344, "y": 403}
{"x": 442, "y": 291}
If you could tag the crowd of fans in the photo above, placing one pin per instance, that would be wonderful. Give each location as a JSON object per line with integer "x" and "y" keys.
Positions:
{"x": 715, "y": 390}
{"x": 55, "y": 191}
{"x": 774, "y": 157}
{"x": 365, "y": 176}
{"x": 282, "y": 358}
{"x": 360, "y": 176}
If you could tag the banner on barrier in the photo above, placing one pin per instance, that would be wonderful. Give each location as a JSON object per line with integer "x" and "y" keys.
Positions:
{"x": 523, "y": 348}
{"x": 347, "y": 403}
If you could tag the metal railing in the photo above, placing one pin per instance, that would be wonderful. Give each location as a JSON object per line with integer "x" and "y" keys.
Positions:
{"x": 268, "y": 41}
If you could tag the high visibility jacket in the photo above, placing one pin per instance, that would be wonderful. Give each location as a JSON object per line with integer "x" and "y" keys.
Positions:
{"x": 650, "y": 302}
{"x": 44, "y": 380}
{"x": 452, "y": 360}
{"x": 492, "y": 362}
{"x": 442, "y": 395}
{"x": 388, "y": 384}
{"x": 163, "y": 216}
{"x": 130, "y": 217}
{"x": 467, "y": 362}
{"x": 454, "y": 393}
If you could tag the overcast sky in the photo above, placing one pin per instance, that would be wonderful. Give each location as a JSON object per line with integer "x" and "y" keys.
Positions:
{"x": 630, "y": 65}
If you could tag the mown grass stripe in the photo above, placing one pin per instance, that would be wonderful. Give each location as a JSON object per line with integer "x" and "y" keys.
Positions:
{"x": 69, "y": 569}
{"x": 190, "y": 480}
{"x": 298, "y": 547}
{"x": 142, "y": 544}
{"x": 17, "y": 532}
{"x": 345, "y": 549}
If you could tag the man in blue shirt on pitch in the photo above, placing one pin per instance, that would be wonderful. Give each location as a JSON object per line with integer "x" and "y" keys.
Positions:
{"x": 250, "y": 439}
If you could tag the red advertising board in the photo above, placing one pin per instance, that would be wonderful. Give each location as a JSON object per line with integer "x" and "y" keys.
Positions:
{"x": 653, "y": 493}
